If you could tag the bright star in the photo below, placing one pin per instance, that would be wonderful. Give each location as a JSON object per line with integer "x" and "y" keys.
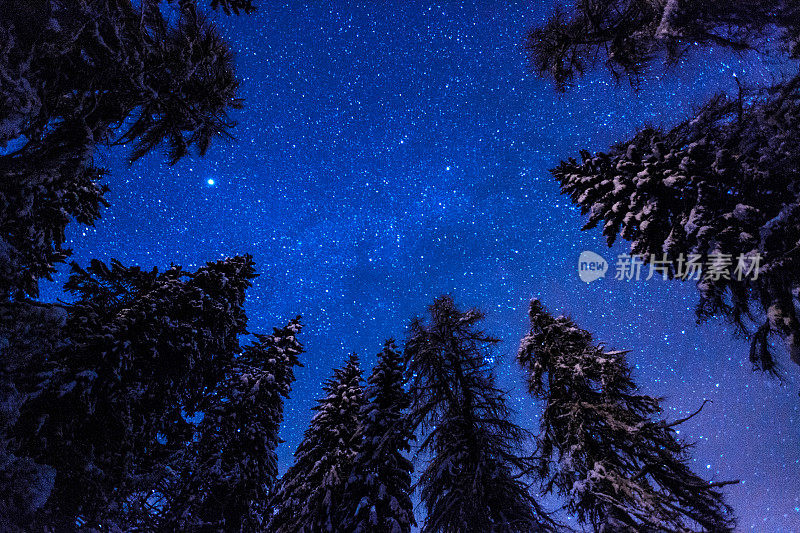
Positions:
{"x": 210, "y": 182}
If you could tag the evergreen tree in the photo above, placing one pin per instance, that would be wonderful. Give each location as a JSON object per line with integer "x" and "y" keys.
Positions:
{"x": 705, "y": 192}
{"x": 77, "y": 76}
{"x": 107, "y": 407}
{"x": 720, "y": 188}
{"x": 626, "y": 35}
{"x": 471, "y": 481}
{"x": 603, "y": 446}
{"x": 309, "y": 495}
{"x": 233, "y": 464}
{"x": 94, "y": 393}
{"x": 28, "y": 331}
{"x": 378, "y": 491}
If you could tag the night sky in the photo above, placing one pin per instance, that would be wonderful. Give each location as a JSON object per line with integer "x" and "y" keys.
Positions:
{"x": 390, "y": 152}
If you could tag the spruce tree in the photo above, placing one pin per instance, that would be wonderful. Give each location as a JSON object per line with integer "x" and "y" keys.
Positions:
{"x": 309, "y": 495}
{"x": 107, "y": 408}
{"x": 719, "y": 188}
{"x": 377, "y": 495}
{"x": 28, "y": 332}
{"x": 604, "y": 446}
{"x": 705, "y": 192}
{"x": 79, "y": 76}
{"x": 471, "y": 481}
{"x": 81, "y": 406}
{"x": 233, "y": 466}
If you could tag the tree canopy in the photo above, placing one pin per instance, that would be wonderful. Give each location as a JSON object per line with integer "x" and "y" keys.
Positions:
{"x": 720, "y": 186}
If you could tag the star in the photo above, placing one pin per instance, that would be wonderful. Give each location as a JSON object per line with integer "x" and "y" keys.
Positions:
{"x": 359, "y": 235}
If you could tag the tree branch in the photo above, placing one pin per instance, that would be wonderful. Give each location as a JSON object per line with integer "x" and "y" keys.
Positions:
{"x": 682, "y": 420}
{"x": 717, "y": 484}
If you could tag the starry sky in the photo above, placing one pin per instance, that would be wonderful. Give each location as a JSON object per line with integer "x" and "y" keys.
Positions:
{"x": 393, "y": 151}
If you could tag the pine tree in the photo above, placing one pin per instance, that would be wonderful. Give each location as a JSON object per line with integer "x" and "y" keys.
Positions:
{"x": 309, "y": 495}
{"x": 720, "y": 187}
{"x": 233, "y": 465}
{"x": 107, "y": 408}
{"x": 605, "y": 447}
{"x": 471, "y": 481}
{"x": 79, "y": 76}
{"x": 378, "y": 491}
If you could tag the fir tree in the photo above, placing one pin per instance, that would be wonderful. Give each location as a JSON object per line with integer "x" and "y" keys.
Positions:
{"x": 720, "y": 188}
{"x": 605, "y": 447}
{"x": 309, "y": 495}
{"x": 471, "y": 481}
{"x": 378, "y": 491}
{"x": 78, "y": 76}
{"x": 106, "y": 409}
{"x": 233, "y": 465}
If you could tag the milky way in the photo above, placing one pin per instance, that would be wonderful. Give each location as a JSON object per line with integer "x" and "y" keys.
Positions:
{"x": 393, "y": 151}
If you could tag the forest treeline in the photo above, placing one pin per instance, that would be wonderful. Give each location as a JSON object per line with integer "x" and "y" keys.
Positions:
{"x": 145, "y": 404}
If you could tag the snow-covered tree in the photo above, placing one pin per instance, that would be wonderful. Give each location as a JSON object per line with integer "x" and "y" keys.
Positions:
{"x": 720, "y": 188}
{"x": 77, "y": 76}
{"x": 107, "y": 408}
{"x": 377, "y": 495}
{"x": 604, "y": 446}
{"x": 309, "y": 495}
{"x": 232, "y": 466}
{"x": 471, "y": 481}
{"x": 93, "y": 393}
{"x": 28, "y": 332}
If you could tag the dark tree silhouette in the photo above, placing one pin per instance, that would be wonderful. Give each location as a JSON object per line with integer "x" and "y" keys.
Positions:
{"x": 106, "y": 408}
{"x": 309, "y": 495}
{"x": 377, "y": 494}
{"x": 80, "y": 411}
{"x": 603, "y": 446}
{"x": 471, "y": 481}
{"x": 28, "y": 334}
{"x": 78, "y": 76}
{"x": 627, "y": 35}
{"x": 720, "y": 186}
{"x": 225, "y": 482}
